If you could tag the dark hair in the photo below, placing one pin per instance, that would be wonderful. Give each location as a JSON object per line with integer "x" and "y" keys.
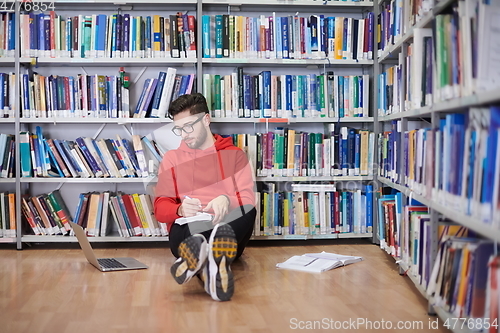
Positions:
{"x": 195, "y": 103}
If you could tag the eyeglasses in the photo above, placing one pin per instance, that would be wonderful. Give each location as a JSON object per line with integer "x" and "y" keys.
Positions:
{"x": 187, "y": 128}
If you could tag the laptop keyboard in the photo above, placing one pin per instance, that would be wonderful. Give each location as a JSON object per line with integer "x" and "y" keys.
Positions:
{"x": 110, "y": 263}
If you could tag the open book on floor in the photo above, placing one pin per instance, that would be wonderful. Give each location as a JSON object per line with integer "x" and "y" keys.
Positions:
{"x": 318, "y": 262}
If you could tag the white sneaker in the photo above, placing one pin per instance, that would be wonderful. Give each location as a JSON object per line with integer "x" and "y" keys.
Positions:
{"x": 193, "y": 257}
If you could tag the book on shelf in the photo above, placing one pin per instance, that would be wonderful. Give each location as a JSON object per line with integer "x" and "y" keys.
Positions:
{"x": 7, "y": 154}
{"x": 287, "y": 37}
{"x": 267, "y": 95}
{"x": 8, "y": 225}
{"x": 318, "y": 262}
{"x": 107, "y": 36}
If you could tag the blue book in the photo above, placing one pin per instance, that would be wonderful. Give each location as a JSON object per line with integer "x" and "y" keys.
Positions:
{"x": 147, "y": 37}
{"x": 133, "y": 28}
{"x": 351, "y": 154}
{"x": 126, "y": 35}
{"x": 44, "y": 156}
{"x": 41, "y": 33}
{"x": 490, "y": 163}
{"x": 285, "y": 39}
{"x": 88, "y": 156}
{"x": 381, "y": 214}
{"x": 53, "y": 161}
{"x": 357, "y": 159}
{"x": 313, "y": 23}
{"x": 101, "y": 34}
{"x": 184, "y": 85}
{"x": 279, "y": 37}
{"x": 288, "y": 90}
{"x": 79, "y": 207}
{"x": 369, "y": 208}
{"x": 98, "y": 220}
{"x": 159, "y": 90}
{"x": 371, "y": 16}
{"x": 146, "y": 107}
{"x": 341, "y": 96}
{"x": 276, "y": 216}
{"x": 205, "y": 28}
{"x": 151, "y": 148}
{"x": 330, "y": 34}
{"x": 322, "y": 36}
{"x": 131, "y": 154}
{"x": 266, "y": 93}
{"x": 69, "y": 36}
{"x": 33, "y": 24}
{"x": 144, "y": 92}
{"x": 126, "y": 218}
{"x": 247, "y": 91}
{"x": 74, "y": 170}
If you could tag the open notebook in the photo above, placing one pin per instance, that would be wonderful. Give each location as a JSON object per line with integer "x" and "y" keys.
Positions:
{"x": 318, "y": 262}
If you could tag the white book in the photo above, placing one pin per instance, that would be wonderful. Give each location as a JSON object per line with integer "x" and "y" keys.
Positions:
{"x": 139, "y": 153}
{"x": 318, "y": 262}
{"x": 488, "y": 76}
{"x": 166, "y": 95}
{"x": 104, "y": 213}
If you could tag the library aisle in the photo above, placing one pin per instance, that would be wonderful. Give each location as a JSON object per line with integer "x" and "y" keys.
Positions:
{"x": 57, "y": 290}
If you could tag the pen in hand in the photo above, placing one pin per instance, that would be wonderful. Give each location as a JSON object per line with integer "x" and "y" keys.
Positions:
{"x": 190, "y": 206}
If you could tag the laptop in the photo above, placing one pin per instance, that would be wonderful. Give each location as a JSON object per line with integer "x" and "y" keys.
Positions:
{"x": 104, "y": 264}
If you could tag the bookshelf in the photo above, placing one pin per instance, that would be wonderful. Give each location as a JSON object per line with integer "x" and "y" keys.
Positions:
{"x": 143, "y": 67}
{"x": 411, "y": 120}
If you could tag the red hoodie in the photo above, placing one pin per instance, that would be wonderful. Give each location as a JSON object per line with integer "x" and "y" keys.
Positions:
{"x": 203, "y": 174}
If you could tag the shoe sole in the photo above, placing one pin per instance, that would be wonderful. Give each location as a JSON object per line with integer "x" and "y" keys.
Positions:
{"x": 222, "y": 252}
{"x": 192, "y": 252}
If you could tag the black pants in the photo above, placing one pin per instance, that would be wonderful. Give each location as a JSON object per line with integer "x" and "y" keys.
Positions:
{"x": 241, "y": 219}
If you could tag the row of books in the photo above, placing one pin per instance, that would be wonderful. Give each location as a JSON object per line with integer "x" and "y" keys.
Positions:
{"x": 7, "y": 155}
{"x": 287, "y": 37}
{"x": 456, "y": 164}
{"x": 456, "y": 280}
{"x": 239, "y": 95}
{"x": 46, "y": 214}
{"x": 450, "y": 60}
{"x": 398, "y": 93}
{"x": 314, "y": 209}
{"x": 86, "y": 157}
{"x": 8, "y": 225}
{"x": 107, "y": 36}
{"x": 390, "y": 24}
{"x": 286, "y": 152}
{"x": 131, "y": 214}
{"x": 99, "y": 96}
{"x": 7, "y": 34}
{"x": 459, "y": 280}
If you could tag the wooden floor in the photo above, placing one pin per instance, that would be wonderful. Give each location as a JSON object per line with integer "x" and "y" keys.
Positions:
{"x": 56, "y": 290}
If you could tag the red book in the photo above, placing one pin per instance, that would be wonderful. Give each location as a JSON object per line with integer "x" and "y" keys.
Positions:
{"x": 132, "y": 213}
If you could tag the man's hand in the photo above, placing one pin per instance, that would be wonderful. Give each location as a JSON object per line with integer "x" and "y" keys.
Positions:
{"x": 189, "y": 207}
{"x": 220, "y": 206}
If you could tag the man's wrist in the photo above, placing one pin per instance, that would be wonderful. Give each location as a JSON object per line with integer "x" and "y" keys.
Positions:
{"x": 228, "y": 200}
{"x": 179, "y": 211}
